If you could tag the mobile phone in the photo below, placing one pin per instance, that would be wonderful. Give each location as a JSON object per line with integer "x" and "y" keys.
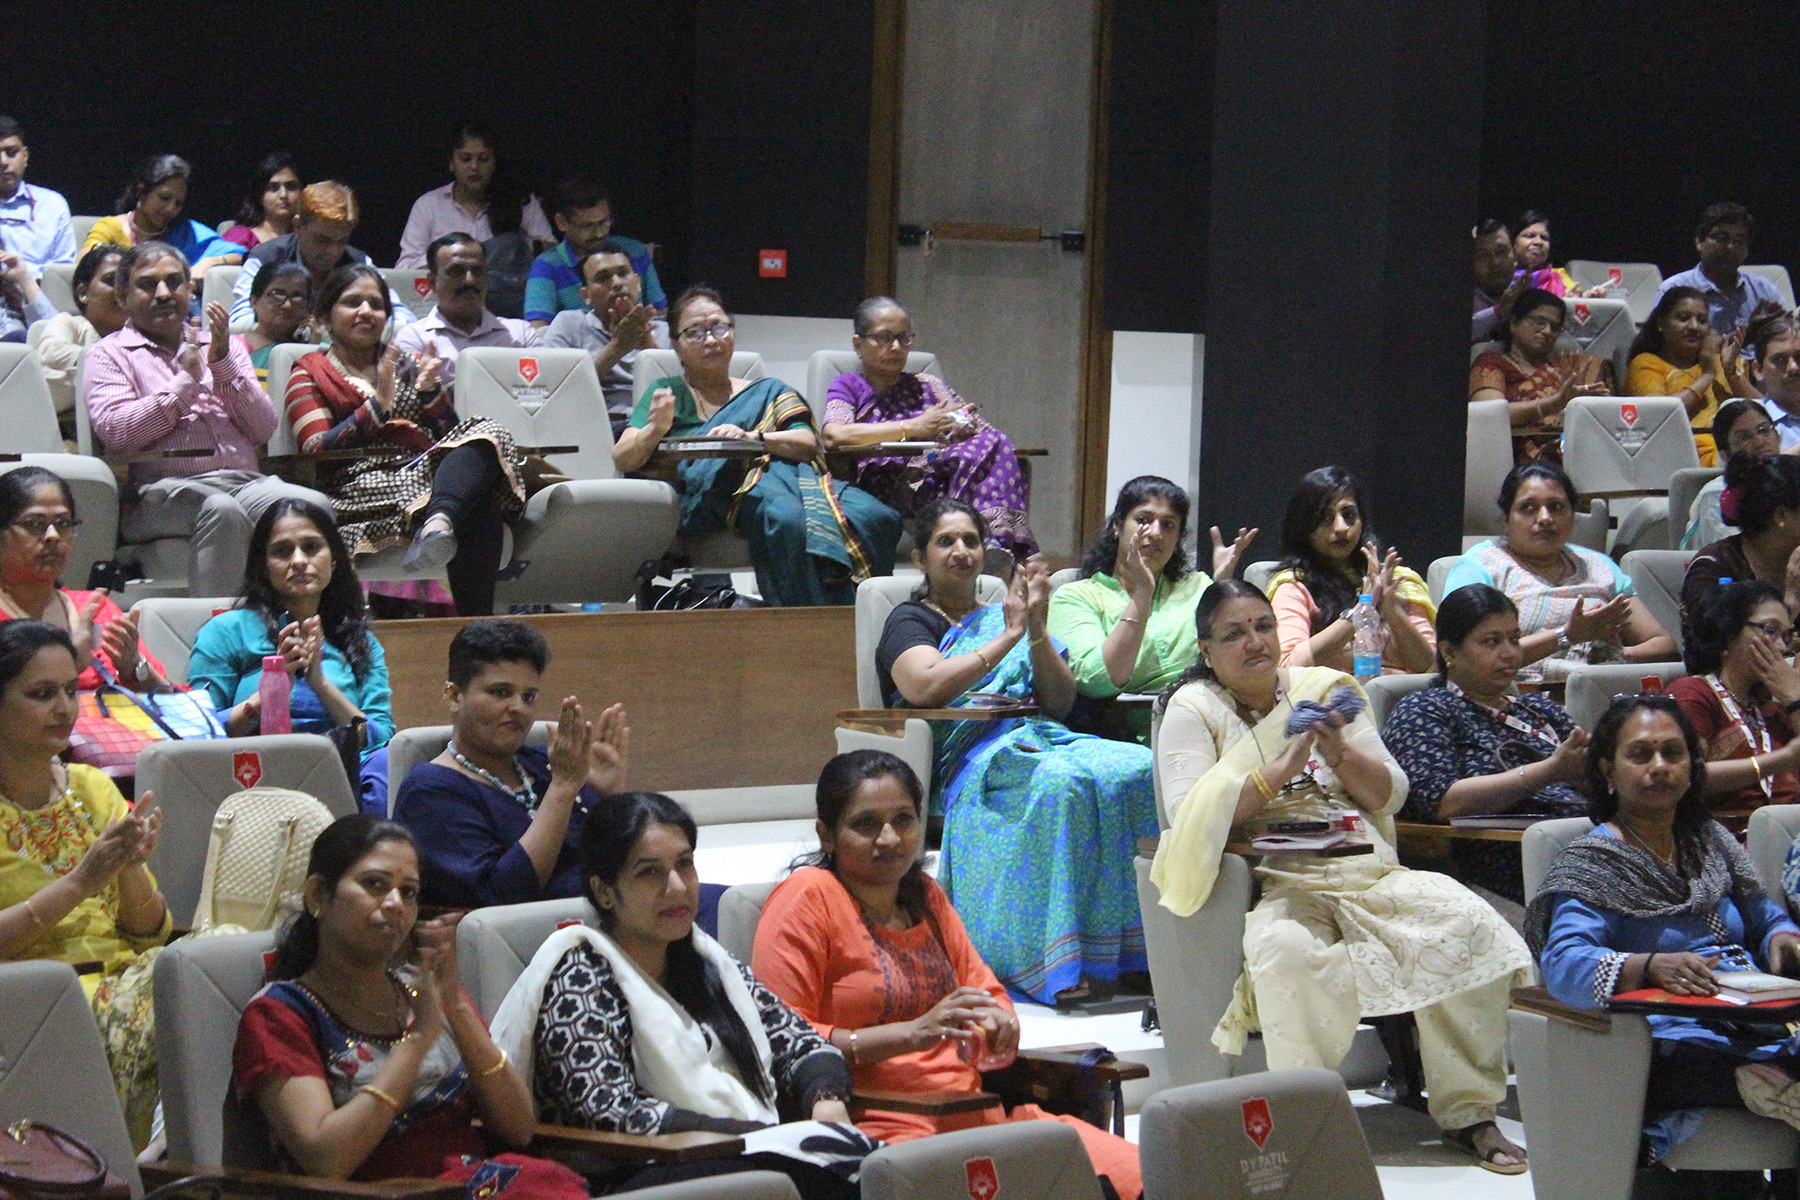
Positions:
{"x": 109, "y": 575}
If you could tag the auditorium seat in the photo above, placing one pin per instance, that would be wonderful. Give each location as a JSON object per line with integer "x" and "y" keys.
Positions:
{"x": 1040, "y": 1159}
{"x": 1684, "y": 488}
{"x": 1590, "y": 689}
{"x": 216, "y": 287}
{"x": 83, "y": 226}
{"x": 1777, "y": 275}
{"x": 1657, "y": 575}
{"x": 413, "y": 286}
{"x": 826, "y": 365}
{"x": 1488, "y": 459}
{"x": 1638, "y": 284}
{"x": 168, "y": 626}
{"x": 30, "y": 431}
{"x": 1629, "y": 444}
{"x": 58, "y": 284}
{"x": 1604, "y": 329}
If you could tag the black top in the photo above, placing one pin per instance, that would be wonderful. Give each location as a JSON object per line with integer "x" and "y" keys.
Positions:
{"x": 910, "y": 624}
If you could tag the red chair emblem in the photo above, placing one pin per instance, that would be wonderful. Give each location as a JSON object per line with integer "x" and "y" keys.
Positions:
{"x": 1615, "y": 276}
{"x": 1628, "y": 413}
{"x": 246, "y": 768}
{"x": 528, "y": 370}
{"x": 1258, "y": 1123}
{"x": 422, "y": 285}
{"x": 1582, "y": 312}
{"x": 984, "y": 1179}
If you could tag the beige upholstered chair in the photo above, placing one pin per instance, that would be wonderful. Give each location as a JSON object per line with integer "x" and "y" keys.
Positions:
{"x": 1296, "y": 1129}
{"x": 1657, "y": 575}
{"x": 1590, "y": 689}
{"x": 168, "y": 626}
{"x": 1638, "y": 284}
{"x": 826, "y": 365}
{"x": 1773, "y": 829}
{"x": 1040, "y": 1159}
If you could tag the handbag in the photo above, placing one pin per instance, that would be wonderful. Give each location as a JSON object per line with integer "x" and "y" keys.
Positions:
{"x": 693, "y": 592}
{"x": 113, "y": 724}
{"x": 256, "y": 857}
{"x": 39, "y": 1161}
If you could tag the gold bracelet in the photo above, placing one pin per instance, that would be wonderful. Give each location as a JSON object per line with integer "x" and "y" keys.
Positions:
{"x": 1131, "y": 620}
{"x": 498, "y": 1067}
{"x": 981, "y": 653}
{"x": 382, "y": 1096}
{"x": 32, "y": 913}
{"x": 1262, "y": 785}
{"x": 855, "y": 1061}
{"x": 1761, "y": 781}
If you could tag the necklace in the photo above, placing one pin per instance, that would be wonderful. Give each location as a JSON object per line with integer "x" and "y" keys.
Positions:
{"x": 526, "y": 794}
{"x": 943, "y": 612}
{"x": 1667, "y": 860}
{"x": 354, "y": 1007}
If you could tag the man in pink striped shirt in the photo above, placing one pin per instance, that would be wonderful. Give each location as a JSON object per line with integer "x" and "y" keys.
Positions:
{"x": 160, "y": 384}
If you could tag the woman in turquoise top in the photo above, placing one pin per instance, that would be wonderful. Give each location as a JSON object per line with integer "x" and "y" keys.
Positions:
{"x": 1129, "y": 621}
{"x": 812, "y": 538}
{"x": 304, "y": 603}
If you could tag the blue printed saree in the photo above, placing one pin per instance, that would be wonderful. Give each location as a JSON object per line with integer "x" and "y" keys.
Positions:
{"x": 1040, "y": 831}
{"x": 812, "y": 538}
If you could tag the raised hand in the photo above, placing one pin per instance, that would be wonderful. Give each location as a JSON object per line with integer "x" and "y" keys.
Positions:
{"x": 386, "y": 374}
{"x": 630, "y": 326}
{"x": 125, "y": 843}
{"x": 1328, "y": 738}
{"x": 431, "y": 373}
{"x": 1603, "y": 624}
{"x": 1225, "y": 558}
{"x": 1292, "y": 759}
{"x": 609, "y": 754}
{"x": 662, "y": 410}
{"x": 1775, "y": 672}
{"x": 188, "y": 357}
{"x": 218, "y": 331}
{"x": 1138, "y": 582}
{"x": 1017, "y": 606}
{"x": 1036, "y": 575}
{"x": 290, "y": 643}
{"x": 81, "y": 626}
{"x": 439, "y": 936}
{"x": 119, "y": 642}
{"x": 571, "y": 745}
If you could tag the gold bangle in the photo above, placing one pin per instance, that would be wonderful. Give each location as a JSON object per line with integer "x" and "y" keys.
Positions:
{"x": 981, "y": 653}
{"x": 1262, "y": 785}
{"x": 1131, "y": 620}
{"x": 498, "y": 1067}
{"x": 382, "y": 1096}
{"x": 32, "y": 913}
{"x": 855, "y": 1061}
{"x": 1761, "y": 781}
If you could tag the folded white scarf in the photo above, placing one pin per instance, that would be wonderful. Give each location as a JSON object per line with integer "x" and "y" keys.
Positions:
{"x": 669, "y": 1047}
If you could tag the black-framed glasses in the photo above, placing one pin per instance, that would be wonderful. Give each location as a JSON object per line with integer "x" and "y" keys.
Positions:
{"x": 694, "y": 335}
{"x": 888, "y": 340}
{"x": 37, "y": 525}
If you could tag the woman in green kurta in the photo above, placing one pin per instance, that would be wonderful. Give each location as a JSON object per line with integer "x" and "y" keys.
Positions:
{"x": 1129, "y": 621}
{"x": 812, "y": 539}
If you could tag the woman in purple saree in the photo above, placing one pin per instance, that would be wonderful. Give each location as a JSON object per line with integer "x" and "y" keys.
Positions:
{"x": 882, "y": 402}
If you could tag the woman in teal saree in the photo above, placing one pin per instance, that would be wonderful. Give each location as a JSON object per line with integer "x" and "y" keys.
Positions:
{"x": 1040, "y": 823}
{"x": 812, "y": 539}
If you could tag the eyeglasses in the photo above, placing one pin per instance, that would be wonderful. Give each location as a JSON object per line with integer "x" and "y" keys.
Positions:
{"x": 285, "y": 298}
{"x": 1775, "y": 629}
{"x": 1742, "y": 435}
{"x": 694, "y": 335}
{"x": 888, "y": 340}
{"x": 37, "y": 526}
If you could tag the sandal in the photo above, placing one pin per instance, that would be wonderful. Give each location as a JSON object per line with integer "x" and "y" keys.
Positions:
{"x": 1464, "y": 1139}
{"x": 1779, "y": 1101}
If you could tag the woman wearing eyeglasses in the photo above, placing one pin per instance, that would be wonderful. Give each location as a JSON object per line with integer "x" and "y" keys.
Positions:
{"x": 37, "y": 534}
{"x": 1741, "y": 694}
{"x": 881, "y": 401}
{"x": 1740, "y": 427}
{"x": 812, "y": 538}
{"x": 1536, "y": 382}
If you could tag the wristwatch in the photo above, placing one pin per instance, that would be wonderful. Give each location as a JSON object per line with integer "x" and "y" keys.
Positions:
{"x": 1563, "y": 644}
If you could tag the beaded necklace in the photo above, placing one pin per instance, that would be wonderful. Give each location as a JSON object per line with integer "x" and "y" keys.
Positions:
{"x": 526, "y": 795}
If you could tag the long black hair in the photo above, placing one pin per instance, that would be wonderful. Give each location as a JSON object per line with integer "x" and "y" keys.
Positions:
{"x": 343, "y": 614}
{"x": 1461, "y": 611}
{"x": 1603, "y": 802}
{"x": 339, "y": 846}
{"x": 612, "y": 828}
{"x": 1211, "y": 601}
{"x": 250, "y": 209}
{"x": 1649, "y": 339}
{"x": 1103, "y": 555}
{"x": 838, "y": 785}
{"x": 1716, "y": 617}
{"x": 1333, "y": 592}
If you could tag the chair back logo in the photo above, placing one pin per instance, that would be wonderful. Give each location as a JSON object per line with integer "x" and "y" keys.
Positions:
{"x": 422, "y": 285}
{"x": 1615, "y": 276}
{"x": 528, "y": 370}
{"x": 1258, "y": 1122}
{"x": 1628, "y": 413}
{"x": 984, "y": 1178}
{"x": 246, "y": 768}
{"x": 1582, "y": 313}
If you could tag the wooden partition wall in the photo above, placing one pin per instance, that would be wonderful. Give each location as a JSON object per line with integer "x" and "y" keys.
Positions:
{"x": 715, "y": 699}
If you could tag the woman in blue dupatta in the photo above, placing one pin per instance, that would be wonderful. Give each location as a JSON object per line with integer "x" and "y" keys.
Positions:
{"x": 1040, "y": 823}
{"x": 812, "y": 538}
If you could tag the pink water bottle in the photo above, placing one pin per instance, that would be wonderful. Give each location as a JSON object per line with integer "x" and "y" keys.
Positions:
{"x": 273, "y": 690}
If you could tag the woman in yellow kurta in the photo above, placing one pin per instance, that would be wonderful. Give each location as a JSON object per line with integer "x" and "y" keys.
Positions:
{"x": 1333, "y": 939}
{"x": 1676, "y": 353}
{"x": 73, "y": 885}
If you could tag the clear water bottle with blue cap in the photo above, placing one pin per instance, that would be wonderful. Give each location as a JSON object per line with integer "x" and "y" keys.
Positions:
{"x": 1365, "y": 619}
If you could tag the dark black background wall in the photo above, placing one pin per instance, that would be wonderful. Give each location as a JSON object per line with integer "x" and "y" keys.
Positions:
{"x": 368, "y": 92}
{"x": 1625, "y": 119}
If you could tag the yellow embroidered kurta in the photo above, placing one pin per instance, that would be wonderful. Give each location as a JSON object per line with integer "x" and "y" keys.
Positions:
{"x": 38, "y": 847}
{"x": 1333, "y": 939}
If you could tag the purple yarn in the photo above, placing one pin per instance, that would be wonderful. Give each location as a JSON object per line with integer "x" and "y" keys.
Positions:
{"x": 1344, "y": 701}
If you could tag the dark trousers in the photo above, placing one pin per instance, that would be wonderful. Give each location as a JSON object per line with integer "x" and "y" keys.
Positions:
{"x": 466, "y": 489}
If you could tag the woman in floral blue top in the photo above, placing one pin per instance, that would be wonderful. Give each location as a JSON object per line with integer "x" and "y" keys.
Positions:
{"x": 1469, "y": 748}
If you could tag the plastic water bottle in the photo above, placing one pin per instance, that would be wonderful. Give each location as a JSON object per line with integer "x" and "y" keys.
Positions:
{"x": 273, "y": 689}
{"x": 1366, "y": 643}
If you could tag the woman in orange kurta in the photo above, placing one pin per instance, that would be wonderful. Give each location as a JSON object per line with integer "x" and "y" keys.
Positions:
{"x": 868, "y": 948}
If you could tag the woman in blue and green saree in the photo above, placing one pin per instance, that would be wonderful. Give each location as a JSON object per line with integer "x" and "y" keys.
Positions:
{"x": 1040, "y": 823}
{"x": 812, "y": 538}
